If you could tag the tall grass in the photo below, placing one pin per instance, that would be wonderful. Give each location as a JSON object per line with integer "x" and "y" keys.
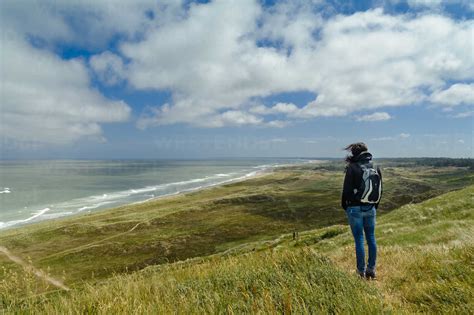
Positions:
{"x": 426, "y": 254}
{"x": 300, "y": 281}
{"x": 425, "y": 265}
{"x": 129, "y": 238}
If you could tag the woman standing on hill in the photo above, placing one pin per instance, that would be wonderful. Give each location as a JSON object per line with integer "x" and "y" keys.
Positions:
{"x": 360, "y": 199}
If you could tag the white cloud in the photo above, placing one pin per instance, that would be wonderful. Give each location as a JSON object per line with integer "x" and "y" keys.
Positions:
{"x": 287, "y": 108}
{"x": 87, "y": 23}
{"x": 208, "y": 60}
{"x": 108, "y": 67}
{"x": 278, "y": 140}
{"x": 219, "y": 58}
{"x": 456, "y": 94}
{"x": 369, "y": 60}
{"x": 437, "y": 5}
{"x": 227, "y": 118}
{"x": 233, "y": 117}
{"x": 425, "y": 3}
{"x": 45, "y": 99}
{"x": 211, "y": 62}
{"x": 464, "y": 114}
{"x": 383, "y": 138}
{"x": 460, "y": 141}
{"x": 260, "y": 110}
{"x": 279, "y": 108}
{"x": 390, "y": 138}
{"x": 377, "y": 116}
{"x": 277, "y": 123}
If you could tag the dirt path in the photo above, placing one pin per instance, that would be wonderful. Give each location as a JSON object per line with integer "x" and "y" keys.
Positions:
{"x": 93, "y": 244}
{"x": 34, "y": 270}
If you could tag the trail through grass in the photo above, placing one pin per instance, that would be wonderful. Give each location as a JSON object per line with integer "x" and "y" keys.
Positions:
{"x": 230, "y": 250}
{"x": 31, "y": 269}
{"x": 206, "y": 222}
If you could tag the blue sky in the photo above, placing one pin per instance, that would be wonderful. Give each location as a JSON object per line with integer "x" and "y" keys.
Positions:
{"x": 200, "y": 79}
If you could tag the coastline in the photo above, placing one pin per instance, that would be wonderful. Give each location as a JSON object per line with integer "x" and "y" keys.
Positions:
{"x": 249, "y": 176}
{"x": 93, "y": 247}
{"x": 262, "y": 170}
{"x": 200, "y": 188}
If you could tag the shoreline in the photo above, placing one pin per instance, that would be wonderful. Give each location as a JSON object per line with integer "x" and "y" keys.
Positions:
{"x": 243, "y": 178}
{"x": 266, "y": 170}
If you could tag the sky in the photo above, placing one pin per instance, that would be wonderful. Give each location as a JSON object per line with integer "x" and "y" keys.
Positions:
{"x": 86, "y": 79}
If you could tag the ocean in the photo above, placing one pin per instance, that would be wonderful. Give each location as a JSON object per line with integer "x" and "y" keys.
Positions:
{"x": 31, "y": 191}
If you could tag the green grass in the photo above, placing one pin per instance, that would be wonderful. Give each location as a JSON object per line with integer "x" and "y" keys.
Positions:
{"x": 245, "y": 258}
{"x": 298, "y": 281}
{"x": 208, "y": 221}
{"x": 426, "y": 253}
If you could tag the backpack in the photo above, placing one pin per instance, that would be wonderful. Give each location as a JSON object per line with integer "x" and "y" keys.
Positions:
{"x": 370, "y": 189}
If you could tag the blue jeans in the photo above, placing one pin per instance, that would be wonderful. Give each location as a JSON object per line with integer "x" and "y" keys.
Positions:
{"x": 362, "y": 220}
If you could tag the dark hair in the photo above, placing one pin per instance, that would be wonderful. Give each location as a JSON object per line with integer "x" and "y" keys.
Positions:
{"x": 355, "y": 149}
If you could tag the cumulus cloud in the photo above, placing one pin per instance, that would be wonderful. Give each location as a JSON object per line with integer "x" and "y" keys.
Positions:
{"x": 232, "y": 117}
{"x": 424, "y": 3}
{"x": 85, "y": 23}
{"x": 45, "y": 99}
{"x": 227, "y": 118}
{"x": 217, "y": 58}
{"x": 377, "y": 116}
{"x": 373, "y": 60}
{"x": 108, "y": 67}
{"x": 278, "y": 140}
{"x": 277, "y": 123}
{"x": 464, "y": 114}
{"x": 279, "y": 108}
{"x": 208, "y": 60}
{"x": 437, "y": 5}
{"x": 402, "y": 135}
{"x": 456, "y": 94}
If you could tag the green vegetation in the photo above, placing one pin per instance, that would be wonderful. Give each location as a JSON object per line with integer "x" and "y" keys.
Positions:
{"x": 270, "y": 281}
{"x": 245, "y": 258}
{"x": 435, "y": 162}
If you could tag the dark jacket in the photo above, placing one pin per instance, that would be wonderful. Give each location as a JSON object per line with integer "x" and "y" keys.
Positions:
{"x": 353, "y": 179}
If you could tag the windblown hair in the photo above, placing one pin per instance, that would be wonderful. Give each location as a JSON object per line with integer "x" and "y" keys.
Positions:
{"x": 355, "y": 149}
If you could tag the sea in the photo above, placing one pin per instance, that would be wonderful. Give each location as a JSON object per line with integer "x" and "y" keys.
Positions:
{"x": 32, "y": 191}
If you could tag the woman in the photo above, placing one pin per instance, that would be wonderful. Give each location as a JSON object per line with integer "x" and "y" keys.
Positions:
{"x": 360, "y": 199}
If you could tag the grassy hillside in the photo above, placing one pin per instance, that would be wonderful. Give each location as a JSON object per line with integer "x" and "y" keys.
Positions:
{"x": 240, "y": 235}
{"x": 129, "y": 238}
{"x": 426, "y": 254}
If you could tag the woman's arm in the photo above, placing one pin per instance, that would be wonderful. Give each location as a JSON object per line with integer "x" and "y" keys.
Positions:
{"x": 347, "y": 190}
{"x": 381, "y": 192}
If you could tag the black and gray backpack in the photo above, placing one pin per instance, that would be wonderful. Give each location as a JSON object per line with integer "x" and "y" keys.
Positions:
{"x": 370, "y": 189}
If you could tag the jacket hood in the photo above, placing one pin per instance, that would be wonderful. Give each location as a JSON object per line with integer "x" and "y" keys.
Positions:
{"x": 362, "y": 157}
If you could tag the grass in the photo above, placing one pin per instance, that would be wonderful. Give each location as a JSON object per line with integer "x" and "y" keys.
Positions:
{"x": 426, "y": 252}
{"x": 130, "y": 238}
{"x": 293, "y": 281}
{"x": 245, "y": 258}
